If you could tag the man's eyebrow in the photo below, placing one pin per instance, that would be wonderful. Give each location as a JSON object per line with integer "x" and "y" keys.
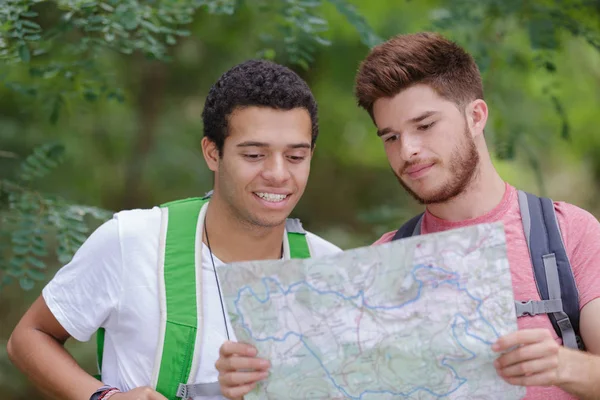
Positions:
{"x": 415, "y": 120}
{"x": 384, "y": 131}
{"x": 299, "y": 146}
{"x": 252, "y": 144}
{"x": 421, "y": 117}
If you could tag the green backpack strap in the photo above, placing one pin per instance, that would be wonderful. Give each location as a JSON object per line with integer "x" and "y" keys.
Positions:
{"x": 296, "y": 236}
{"x": 179, "y": 297}
{"x": 100, "y": 351}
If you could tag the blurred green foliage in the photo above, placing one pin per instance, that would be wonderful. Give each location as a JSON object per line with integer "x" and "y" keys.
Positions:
{"x": 100, "y": 106}
{"x": 64, "y": 47}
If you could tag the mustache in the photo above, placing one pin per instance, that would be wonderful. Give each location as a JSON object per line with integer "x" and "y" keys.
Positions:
{"x": 423, "y": 161}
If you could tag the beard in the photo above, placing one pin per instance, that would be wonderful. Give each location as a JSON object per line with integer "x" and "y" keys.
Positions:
{"x": 463, "y": 164}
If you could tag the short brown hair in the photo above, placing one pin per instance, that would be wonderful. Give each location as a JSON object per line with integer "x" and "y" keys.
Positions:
{"x": 427, "y": 58}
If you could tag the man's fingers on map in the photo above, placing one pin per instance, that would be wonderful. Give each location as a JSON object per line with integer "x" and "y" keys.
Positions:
{"x": 237, "y": 392}
{"x": 534, "y": 362}
{"x": 242, "y": 378}
{"x": 547, "y": 378}
{"x": 529, "y": 368}
{"x": 230, "y": 348}
{"x": 244, "y": 364}
{"x": 527, "y": 353}
{"x": 521, "y": 337}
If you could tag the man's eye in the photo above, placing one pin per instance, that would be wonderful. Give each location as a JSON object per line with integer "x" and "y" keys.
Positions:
{"x": 296, "y": 158}
{"x": 391, "y": 138}
{"x": 253, "y": 156}
{"x": 425, "y": 127}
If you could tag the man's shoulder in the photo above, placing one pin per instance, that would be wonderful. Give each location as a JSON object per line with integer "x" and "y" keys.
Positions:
{"x": 573, "y": 213}
{"x": 138, "y": 223}
{"x": 385, "y": 238}
{"x": 320, "y": 246}
{"x": 577, "y": 224}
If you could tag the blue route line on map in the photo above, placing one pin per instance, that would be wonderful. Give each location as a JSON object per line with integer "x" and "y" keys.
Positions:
{"x": 453, "y": 282}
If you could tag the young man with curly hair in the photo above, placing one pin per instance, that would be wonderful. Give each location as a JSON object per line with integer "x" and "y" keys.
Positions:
{"x": 147, "y": 281}
{"x": 425, "y": 96}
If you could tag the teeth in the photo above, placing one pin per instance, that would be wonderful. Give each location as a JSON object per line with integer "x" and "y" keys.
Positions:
{"x": 275, "y": 198}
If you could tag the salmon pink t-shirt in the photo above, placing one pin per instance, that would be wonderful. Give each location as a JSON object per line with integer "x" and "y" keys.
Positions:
{"x": 581, "y": 236}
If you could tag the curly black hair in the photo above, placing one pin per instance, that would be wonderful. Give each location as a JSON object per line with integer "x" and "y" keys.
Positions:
{"x": 255, "y": 83}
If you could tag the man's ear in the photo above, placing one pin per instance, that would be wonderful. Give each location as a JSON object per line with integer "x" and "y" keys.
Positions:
{"x": 211, "y": 154}
{"x": 477, "y": 114}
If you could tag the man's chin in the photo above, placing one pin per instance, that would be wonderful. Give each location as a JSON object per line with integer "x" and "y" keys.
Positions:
{"x": 269, "y": 219}
{"x": 268, "y": 223}
{"x": 426, "y": 197}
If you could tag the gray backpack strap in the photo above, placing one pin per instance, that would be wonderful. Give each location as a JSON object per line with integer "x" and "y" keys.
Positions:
{"x": 532, "y": 307}
{"x": 411, "y": 228}
{"x": 198, "y": 390}
{"x": 293, "y": 225}
{"x": 552, "y": 270}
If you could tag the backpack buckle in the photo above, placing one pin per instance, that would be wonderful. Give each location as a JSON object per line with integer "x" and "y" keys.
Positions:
{"x": 182, "y": 391}
{"x": 524, "y": 308}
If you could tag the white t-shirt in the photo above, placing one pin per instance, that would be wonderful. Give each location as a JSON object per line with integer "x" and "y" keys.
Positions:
{"x": 112, "y": 282}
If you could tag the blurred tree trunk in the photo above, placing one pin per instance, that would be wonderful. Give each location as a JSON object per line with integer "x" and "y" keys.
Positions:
{"x": 151, "y": 92}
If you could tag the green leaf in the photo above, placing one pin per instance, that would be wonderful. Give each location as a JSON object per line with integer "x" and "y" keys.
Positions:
{"x": 150, "y": 26}
{"x": 64, "y": 257}
{"x": 40, "y": 162}
{"x": 36, "y": 274}
{"x": 89, "y": 4}
{"x": 367, "y": 36}
{"x": 24, "y": 53}
{"x": 129, "y": 20}
{"x": 36, "y": 262}
{"x": 78, "y": 237}
{"x": 21, "y": 250}
{"x": 302, "y": 63}
{"x": 26, "y": 283}
{"x": 20, "y": 240}
{"x": 38, "y": 242}
{"x": 17, "y": 262}
{"x": 40, "y": 252}
{"x": 31, "y": 24}
{"x": 269, "y": 54}
{"x": 322, "y": 41}
{"x": 107, "y": 7}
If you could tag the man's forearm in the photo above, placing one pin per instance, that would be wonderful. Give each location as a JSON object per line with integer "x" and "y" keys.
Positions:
{"x": 49, "y": 366}
{"x": 582, "y": 374}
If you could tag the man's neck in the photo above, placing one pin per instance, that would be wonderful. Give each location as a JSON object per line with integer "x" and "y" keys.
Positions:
{"x": 481, "y": 196}
{"x": 232, "y": 239}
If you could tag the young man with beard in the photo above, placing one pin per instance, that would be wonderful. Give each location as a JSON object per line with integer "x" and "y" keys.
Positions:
{"x": 148, "y": 277}
{"x": 425, "y": 96}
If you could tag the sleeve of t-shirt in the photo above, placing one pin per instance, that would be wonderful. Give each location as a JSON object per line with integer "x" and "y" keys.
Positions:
{"x": 83, "y": 293}
{"x": 386, "y": 238}
{"x": 581, "y": 236}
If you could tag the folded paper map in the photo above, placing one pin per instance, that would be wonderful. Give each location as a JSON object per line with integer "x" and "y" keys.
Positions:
{"x": 411, "y": 319}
